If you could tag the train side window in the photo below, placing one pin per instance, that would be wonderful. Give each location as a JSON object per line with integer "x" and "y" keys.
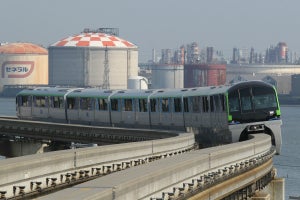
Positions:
{"x": 40, "y": 101}
{"x": 177, "y": 104}
{"x": 196, "y": 103}
{"x": 25, "y": 101}
{"x": 153, "y": 105}
{"x": 71, "y": 103}
{"x": 57, "y": 102}
{"x": 128, "y": 105}
{"x": 29, "y": 101}
{"x": 186, "y": 104}
{"x": 102, "y": 104}
{"x": 234, "y": 103}
{"x": 143, "y": 105}
{"x": 205, "y": 104}
{"x": 246, "y": 100}
{"x": 165, "y": 105}
{"x": 86, "y": 104}
{"x": 212, "y": 106}
{"x": 114, "y": 104}
{"x": 263, "y": 98}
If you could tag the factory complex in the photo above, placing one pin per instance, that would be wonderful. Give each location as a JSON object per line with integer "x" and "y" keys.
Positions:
{"x": 100, "y": 58}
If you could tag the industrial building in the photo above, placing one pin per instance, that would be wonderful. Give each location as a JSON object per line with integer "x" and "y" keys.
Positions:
{"x": 93, "y": 58}
{"x": 200, "y": 75}
{"x": 23, "y": 64}
{"x": 167, "y": 76}
{"x": 187, "y": 67}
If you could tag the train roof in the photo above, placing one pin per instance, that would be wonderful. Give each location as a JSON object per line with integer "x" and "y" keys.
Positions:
{"x": 249, "y": 83}
{"x": 92, "y": 93}
{"x": 46, "y": 91}
{"x": 131, "y": 93}
{"x": 212, "y": 90}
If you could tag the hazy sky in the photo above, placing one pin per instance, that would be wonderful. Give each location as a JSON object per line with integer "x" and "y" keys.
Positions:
{"x": 158, "y": 24}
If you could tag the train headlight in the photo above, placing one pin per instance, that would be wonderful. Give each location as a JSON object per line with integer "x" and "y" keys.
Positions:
{"x": 256, "y": 127}
{"x": 271, "y": 112}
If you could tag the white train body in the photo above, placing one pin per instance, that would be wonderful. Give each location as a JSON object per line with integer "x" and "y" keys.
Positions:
{"x": 216, "y": 115}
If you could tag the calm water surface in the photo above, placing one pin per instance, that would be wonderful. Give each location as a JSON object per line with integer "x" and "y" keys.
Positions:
{"x": 287, "y": 164}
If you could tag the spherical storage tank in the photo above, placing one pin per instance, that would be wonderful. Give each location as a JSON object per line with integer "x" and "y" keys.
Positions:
{"x": 93, "y": 59}
{"x": 23, "y": 64}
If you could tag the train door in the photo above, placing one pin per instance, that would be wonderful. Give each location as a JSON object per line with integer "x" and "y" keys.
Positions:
{"x": 24, "y": 106}
{"x": 196, "y": 110}
{"x": 206, "y": 120}
{"x": 72, "y": 109}
{"x": 102, "y": 115}
{"x": 86, "y": 109}
{"x": 187, "y": 112}
{"x": 165, "y": 118}
{"x": 57, "y": 108}
{"x": 154, "y": 112}
{"x": 116, "y": 114}
{"x": 177, "y": 112}
{"x": 223, "y": 118}
{"x": 128, "y": 111}
{"x": 142, "y": 114}
{"x": 40, "y": 108}
{"x": 217, "y": 110}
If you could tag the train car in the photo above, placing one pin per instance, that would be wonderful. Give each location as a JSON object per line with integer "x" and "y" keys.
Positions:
{"x": 253, "y": 107}
{"x": 129, "y": 108}
{"x": 89, "y": 106}
{"x": 217, "y": 114}
{"x": 43, "y": 103}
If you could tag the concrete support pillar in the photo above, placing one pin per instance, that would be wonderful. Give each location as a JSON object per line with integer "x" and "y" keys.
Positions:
{"x": 275, "y": 189}
{"x": 20, "y": 148}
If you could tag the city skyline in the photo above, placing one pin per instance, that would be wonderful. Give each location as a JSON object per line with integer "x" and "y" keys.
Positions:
{"x": 157, "y": 24}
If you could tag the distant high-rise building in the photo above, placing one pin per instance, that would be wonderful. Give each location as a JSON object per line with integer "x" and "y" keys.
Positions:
{"x": 243, "y": 55}
{"x": 153, "y": 56}
{"x": 166, "y": 56}
{"x": 209, "y": 54}
{"x": 252, "y": 59}
{"x": 192, "y": 53}
{"x": 235, "y": 56}
{"x": 182, "y": 54}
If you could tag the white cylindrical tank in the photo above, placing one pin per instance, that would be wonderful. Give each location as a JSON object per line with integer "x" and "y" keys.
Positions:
{"x": 167, "y": 76}
{"x": 137, "y": 82}
{"x": 23, "y": 64}
{"x": 93, "y": 59}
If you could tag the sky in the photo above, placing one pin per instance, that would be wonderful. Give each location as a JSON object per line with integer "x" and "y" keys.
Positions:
{"x": 157, "y": 24}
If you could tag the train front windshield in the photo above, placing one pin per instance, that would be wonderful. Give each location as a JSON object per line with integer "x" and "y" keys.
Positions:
{"x": 250, "y": 104}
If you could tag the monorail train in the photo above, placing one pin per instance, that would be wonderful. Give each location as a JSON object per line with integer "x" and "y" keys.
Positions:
{"x": 218, "y": 114}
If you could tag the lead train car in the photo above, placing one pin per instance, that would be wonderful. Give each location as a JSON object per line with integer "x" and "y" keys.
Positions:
{"x": 221, "y": 114}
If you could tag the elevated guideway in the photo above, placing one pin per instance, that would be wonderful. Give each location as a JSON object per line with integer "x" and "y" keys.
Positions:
{"x": 180, "y": 175}
{"x": 205, "y": 174}
{"x": 39, "y": 173}
{"x": 208, "y": 172}
{"x": 78, "y": 133}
